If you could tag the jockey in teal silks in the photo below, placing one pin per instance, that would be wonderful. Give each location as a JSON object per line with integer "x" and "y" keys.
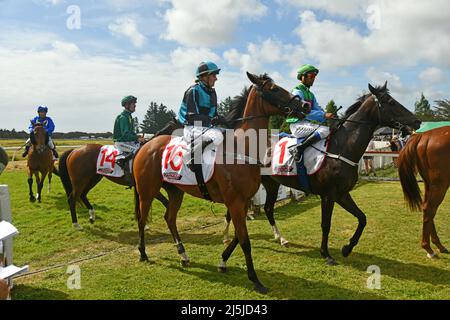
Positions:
{"x": 198, "y": 111}
{"x": 48, "y": 125}
{"x": 305, "y": 128}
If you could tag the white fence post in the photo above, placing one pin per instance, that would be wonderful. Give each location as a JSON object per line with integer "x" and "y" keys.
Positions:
{"x": 5, "y": 215}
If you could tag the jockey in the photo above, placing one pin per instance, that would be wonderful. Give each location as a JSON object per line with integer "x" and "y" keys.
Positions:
{"x": 304, "y": 128}
{"x": 49, "y": 126}
{"x": 124, "y": 135}
{"x": 198, "y": 111}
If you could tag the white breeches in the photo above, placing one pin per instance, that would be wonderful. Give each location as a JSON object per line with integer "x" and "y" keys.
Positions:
{"x": 304, "y": 128}
{"x": 196, "y": 132}
{"x": 127, "y": 147}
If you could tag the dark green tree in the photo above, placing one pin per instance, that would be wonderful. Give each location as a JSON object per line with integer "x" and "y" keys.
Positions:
{"x": 224, "y": 106}
{"x": 423, "y": 109}
{"x": 156, "y": 118}
{"x": 442, "y": 110}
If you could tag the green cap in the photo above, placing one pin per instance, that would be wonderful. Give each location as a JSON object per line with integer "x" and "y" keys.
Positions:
{"x": 306, "y": 68}
{"x": 128, "y": 99}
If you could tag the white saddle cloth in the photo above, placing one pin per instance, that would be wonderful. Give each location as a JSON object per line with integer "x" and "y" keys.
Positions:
{"x": 106, "y": 162}
{"x": 175, "y": 159}
{"x": 283, "y": 163}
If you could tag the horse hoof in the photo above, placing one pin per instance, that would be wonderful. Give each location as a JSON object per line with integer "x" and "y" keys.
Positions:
{"x": 32, "y": 199}
{"x": 346, "y": 250}
{"x": 222, "y": 269}
{"x": 143, "y": 259}
{"x": 260, "y": 289}
{"x": 432, "y": 255}
{"x": 445, "y": 250}
{"x": 330, "y": 261}
{"x": 77, "y": 226}
{"x": 91, "y": 220}
{"x": 284, "y": 242}
{"x": 185, "y": 263}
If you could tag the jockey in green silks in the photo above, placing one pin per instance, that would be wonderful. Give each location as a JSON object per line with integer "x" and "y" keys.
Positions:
{"x": 125, "y": 136}
{"x": 305, "y": 128}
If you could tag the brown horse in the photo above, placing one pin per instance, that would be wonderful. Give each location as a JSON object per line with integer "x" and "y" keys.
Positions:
{"x": 428, "y": 154}
{"x": 40, "y": 161}
{"x": 78, "y": 173}
{"x": 232, "y": 184}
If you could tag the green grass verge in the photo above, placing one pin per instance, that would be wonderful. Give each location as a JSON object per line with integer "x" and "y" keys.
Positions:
{"x": 391, "y": 241}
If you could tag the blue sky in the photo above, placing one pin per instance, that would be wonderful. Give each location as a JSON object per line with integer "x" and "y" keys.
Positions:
{"x": 150, "y": 49}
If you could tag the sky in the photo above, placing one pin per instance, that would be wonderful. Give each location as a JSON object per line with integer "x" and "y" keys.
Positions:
{"x": 80, "y": 58}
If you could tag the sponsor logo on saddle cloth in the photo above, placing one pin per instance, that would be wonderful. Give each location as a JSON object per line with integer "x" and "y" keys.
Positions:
{"x": 283, "y": 163}
{"x": 106, "y": 162}
{"x": 175, "y": 157}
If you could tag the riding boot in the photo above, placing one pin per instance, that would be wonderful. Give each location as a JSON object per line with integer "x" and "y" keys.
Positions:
{"x": 123, "y": 163}
{"x": 27, "y": 148}
{"x": 299, "y": 149}
{"x": 55, "y": 154}
{"x": 205, "y": 142}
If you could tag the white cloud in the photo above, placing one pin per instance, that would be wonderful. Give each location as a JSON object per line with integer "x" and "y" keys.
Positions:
{"x": 432, "y": 75}
{"x": 127, "y": 26}
{"x": 422, "y": 34}
{"x": 346, "y": 8}
{"x": 83, "y": 91}
{"x": 191, "y": 24}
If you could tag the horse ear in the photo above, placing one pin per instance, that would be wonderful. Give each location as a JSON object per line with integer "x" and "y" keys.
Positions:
{"x": 385, "y": 86}
{"x": 254, "y": 79}
{"x": 372, "y": 89}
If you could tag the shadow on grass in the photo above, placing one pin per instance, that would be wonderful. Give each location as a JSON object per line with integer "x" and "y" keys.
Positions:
{"x": 360, "y": 261}
{"x": 281, "y": 286}
{"x": 21, "y": 292}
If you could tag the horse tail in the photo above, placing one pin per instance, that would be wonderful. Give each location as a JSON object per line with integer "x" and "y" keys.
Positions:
{"x": 64, "y": 173}
{"x": 407, "y": 169}
{"x": 137, "y": 210}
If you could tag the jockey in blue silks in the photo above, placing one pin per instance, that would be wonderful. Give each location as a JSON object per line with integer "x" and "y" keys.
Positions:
{"x": 198, "y": 111}
{"x": 304, "y": 127}
{"x": 48, "y": 125}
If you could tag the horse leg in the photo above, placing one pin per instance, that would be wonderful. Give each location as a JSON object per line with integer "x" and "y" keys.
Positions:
{"x": 30, "y": 185}
{"x": 175, "y": 200}
{"x": 437, "y": 242}
{"x": 226, "y": 232}
{"x": 41, "y": 186}
{"x": 144, "y": 209}
{"x": 239, "y": 217}
{"x": 272, "y": 187}
{"x": 327, "y": 212}
{"x": 227, "y": 253}
{"x": 434, "y": 195}
{"x": 49, "y": 188}
{"x": 348, "y": 204}
{"x": 85, "y": 200}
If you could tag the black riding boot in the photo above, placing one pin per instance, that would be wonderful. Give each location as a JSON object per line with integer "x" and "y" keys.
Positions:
{"x": 123, "y": 163}
{"x": 55, "y": 154}
{"x": 27, "y": 148}
{"x": 299, "y": 149}
{"x": 205, "y": 142}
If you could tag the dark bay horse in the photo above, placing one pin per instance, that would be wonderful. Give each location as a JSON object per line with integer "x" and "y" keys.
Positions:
{"x": 338, "y": 177}
{"x": 232, "y": 184}
{"x": 428, "y": 154}
{"x": 40, "y": 161}
{"x": 78, "y": 173}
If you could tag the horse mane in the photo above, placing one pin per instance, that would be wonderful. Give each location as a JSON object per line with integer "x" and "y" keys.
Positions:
{"x": 239, "y": 102}
{"x": 237, "y": 105}
{"x": 359, "y": 101}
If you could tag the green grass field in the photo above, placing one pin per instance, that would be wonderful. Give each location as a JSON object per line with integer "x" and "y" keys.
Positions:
{"x": 107, "y": 254}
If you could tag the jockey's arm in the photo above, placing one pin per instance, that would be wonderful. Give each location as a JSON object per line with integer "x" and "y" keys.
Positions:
{"x": 50, "y": 126}
{"x": 126, "y": 130}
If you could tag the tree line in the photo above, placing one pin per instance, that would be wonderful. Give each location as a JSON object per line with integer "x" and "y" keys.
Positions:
{"x": 158, "y": 115}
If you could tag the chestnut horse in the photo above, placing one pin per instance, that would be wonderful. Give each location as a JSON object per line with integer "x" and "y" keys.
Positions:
{"x": 40, "y": 161}
{"x": 337, "y": 177}
{"x": 428, "y": 154}
{"x": 232, "y": 184}
{"x": 78, "y": 173}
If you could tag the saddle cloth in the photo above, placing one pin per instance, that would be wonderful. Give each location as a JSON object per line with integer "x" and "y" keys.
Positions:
{"x": 283, "y": 163}
{"x": 106, "y": 162}
{"x": 175, "y": 158}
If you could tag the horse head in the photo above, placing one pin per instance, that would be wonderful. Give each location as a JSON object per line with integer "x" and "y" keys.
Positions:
{"x": 390, "y": 112}
{"x": 279, "y": 100}
{"x": 39, "y": 136}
